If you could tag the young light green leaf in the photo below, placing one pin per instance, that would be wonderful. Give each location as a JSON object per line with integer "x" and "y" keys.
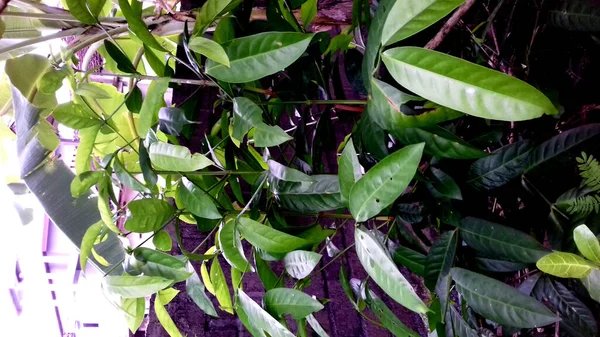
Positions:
{"x": 476, "y": 90}
{"x": 80, "y": 9}
{"x": 210, "y": 49}
{"x": 440, "y": 258}
{"x": 83, "y": 157}
{"x": 384, "y": 183}
{"x": 76, "y": 116}
{"x": 349, "y": 170}
{"x": 256, "y": 56}
{"x": 176, "y": 158}
{"x": 196, "y": 200}
{"x": 499, "y": 302}
{"x": 443, "y": 185}
{"x": 565, "y": 265}
{"x": 281, "y": 301}
{"x": 148, "y": 215}
{"x": 84, "y": 181}
{"x": 162, "y": 241}
{"x": 587, "y": 243}
{"x": 87, "y": 243}
{"x": 308, "y": 11}
{"x": 267, "y": 238}
{"x": 231, "y": 246}
{"x": 246, "y": 115}
{"x": 137, "y": 26}
{"x": 195, "y": 290}
{"x": 259, "y": 318}
{"x": 320, "y": 195}
{"x": 379, "y": 265}
{"x": 92, "y": 91}
{"x": 152, "y": 103}
{"x": 387, "y": 317}
{"x": 134, "y": 286}
{"x": 161, "y": 313}
{"x": 284, "y": 173}
{"x": 267, "y": 277}
{"x": 123, "y": 62}
{"x": 410, "y": 17}
{"x": 409, "y": 258}
{"x": 438, "y": 142}
{"x": 269, "y": 135}
{"x": 317, "y": 328}
{"x": 134, "y": 309}
{"x": 220, "y": 286}
{"x": 300, "y": 263}
{"x": 500, "y": 241}
{"x": 155, "y": 263}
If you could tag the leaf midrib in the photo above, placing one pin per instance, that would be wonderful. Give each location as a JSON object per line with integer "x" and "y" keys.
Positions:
{"x": 500, "y": 241}
{"x": 479, "y": 177}
{"x": 501, "y": 303}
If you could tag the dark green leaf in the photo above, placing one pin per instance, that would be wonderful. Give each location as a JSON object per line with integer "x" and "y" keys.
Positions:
{"x": 80, "y": 9}
{"x": 499, "y": 266}
{"x": 409, "y": 258}
{"x": 155, "y": 263}
{"x": 281, "y": 301}
{"x": 438, "y": 142}
{"x": 172, "y": 120}
{"x": 246, "y": 115}
{"x": 134, "y": 286}
{"x": 440, "y": 258}
{"x": 575, "y": 15}
{"x": 153, "y": 101}
{"x": 225, "y": 30}
{"x": 267, "y": 135}
{"x": 320, "y": 195}
{"x": 137, "y": 26}
{"x": 83, "y": 182}
{"x": 123, "y": 62}
{"x": 231, "y": 246}
{"x": 300, "y": 263}
{"x": 196, "y": 200}
{"x": 371, "y": 57}
{"x": 565, "y": 265}
{"x": 339, "y": 42}
{"x": 150, "y": 177}
{"x": 266, "y": 275}
{"x": 260, "y": 319}
{"x": 76, "y": 116}
{"x": 209, "y": 12}
{"x": 158, "y": 66}
{"x": 148, "y": 215}
{"x": 373, "y": 137}
{"x": 458, "y": 325}
{"x": 127, "y": 178}
{"x": 195, "y": 290}
{"x": 269, "y": 239}
{"x": 387, "y": 317}
{"x": 443, "y": 185}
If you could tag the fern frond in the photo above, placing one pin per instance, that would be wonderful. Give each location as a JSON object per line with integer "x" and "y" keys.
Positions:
{"x": 589, "y": 169}
{"x": 585, "y": 205}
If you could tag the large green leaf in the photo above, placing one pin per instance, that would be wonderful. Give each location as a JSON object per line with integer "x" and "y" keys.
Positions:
{"x": 373, "y": 138}
{"x": 163, "y": 298}
{"x": 256, "y": 56}
{"x": 172, "y": 120}
{"x": 409, "y": 258}
{"x": 195, "y": 290}
{"x": 267, "y": 277}
{"x": 499, "y": 266}
{"x": 217, "y": 278}
{"x": 281, "y": 301}
{"x": 499, "y": 302}
{"x": 379, "y": 265}
{"x": 154, "y": 263}
{"x": 24, "y": 73}
{"x": 269, "y": 135}
{"x": 465, "y": 86}
{"x": 371, "y": 58}
{"x": 349, "y": 170}
{"x": 231, "y": 246}
{"x": 300, "y": 263}
{"x": 284, "y": 173}
{"x": 317, "y": 328}
{"x": 407, "y": 18}
{"x": 267, "y": 238}
{"x": 575, "y": 15}
{"x": 126, "y": 178}
{"x": 387, "y": 317}
{"x": 152, "y": 103}
{"x": 443, "y": 186}
{"x": 246, "y": 115}
{"x": 384, "y": 182}
{"x": 563, "y": 264}
{"x": 592, "y": 284}
{"x": 440, "y": 258}
{"x": 502, "y": 166}
{"x": 196, "y": 200}
{"x": 87, "y": 243}
{"x": 320, "y": 195}
{"x": 119, "y": 55}
{"x": 577, "y": 319}
{"x": 135, "y": 309}
{"x": 500, "y": 241}
{"x": 259, "y": 318}
{"x": 148, "y": 215}
{"x": 76, "y": 116}
{"x": 210, "y": 49}
{"x": 137, "y": 26}
{"x": 83, "y": 182}
{"x": 134, "y": 286}
{"x": 587, "y": 243}
{"x": 176, "y": 158}
{"x": 438, "y": 142}
{"x": 457, "y": 324}
{"x": 85, "y": 11}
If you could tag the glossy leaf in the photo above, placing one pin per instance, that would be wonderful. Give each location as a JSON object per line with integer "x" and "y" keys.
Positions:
{"x": 162, "y": 241}
{"x": 165, "y": 320}
{"x": 440, "y": 258}
{"x": 267, "y": 238}
{"x": 195, "y": 290}
{"x": 284, "y": 173}
{"x": 256, "y": 56}
{"x": 260, "y": 319}
{"x": 349, "y": 170}
{"x": 87, "y": 243}
{"x": 565, "y": 265}
{"x": 387, "y": 317}
{"x": 410, "y": 17}
{"x": 134, "y": 100}
{"x": 373, "y": 138}
{"x": 246, "y": 115}
{"x": 196, "y": 200}
{"x": 308, "y": 11}
{"x": 409, "y": 258}
{"x": 501, "y": 242}
{"x": 268, "y": 135}
{"x": 148, "y": 215}
{"x": 134, "y": 286}
{"x": 384, "y": 183}
{"x": 476, "y": 90}
{"x": 320, "y": 195}
{"x": 217, "y": 277}
{"x": 152, "y": 103}
{"x": 123, "y": 62}
{"x": 154, "y": 263}
{"x": 438, "y": 142}
{"x": 210, "y": 49}
{"x": 231, "y": 246}
{"x": 300, "y": 263}
{"x": 76, "y": 116}
{"x": 592, "y": 284}
{"x": 499, "y": 266}
{"x": 281, "y": 301}
{"x": 499, "y": 302}
{"x": 134, "y": 309}
{"x": 502, "y": 166}
{"x": 137, "y": 26}
{"x": 84, "y": 181}
{"x": 317, "y": 328}
{"x": 443, "y": 185}
{"x": 176, "y": 158}
{"x": 587, "y": 243}
{"x": 379, "y": 265}
{"x": 172, "y": 120}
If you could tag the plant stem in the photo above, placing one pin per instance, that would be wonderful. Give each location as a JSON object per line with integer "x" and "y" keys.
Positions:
{"x": 204, "y": 241}
{"x": 57, "y": 35}
{"x": 318, "y": 101}
{"x": 138, "y": 77}
{"x": 211, "y": 173}
{"x": 63, "y": 17}
{"x": 97, "y": 37}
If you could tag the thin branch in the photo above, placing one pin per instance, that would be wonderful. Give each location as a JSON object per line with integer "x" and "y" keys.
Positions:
{"x": 449, "y": 25}
{"x": 30, "y": 42}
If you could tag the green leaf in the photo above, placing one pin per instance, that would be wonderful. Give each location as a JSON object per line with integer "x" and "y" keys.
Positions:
{"x": 246, "y": 115}
{"x": 499, "y": 302}
{"x": 284, "y": 173}
{"x": 259, "y": 318}
{"x": 373, "y": 137}
{"x": 194, "y": 288}
{"x": 592, "y": 284}
{"x": 349, "y": 170}
{"x": 317, "y": 328}
{"x": 80, "y": 9}
{"x": 161, "y": 313}
{"x": 499, "y": 266}
{"x": 83, "y": 182}
{"x": 458, "y": 325}
{"x": 384, "y": 182}
{"x": 587, "y": 243}
{"x": 92, "y": 91}
{"x": 476, "y": 90}
{"x": 76, "y": 116}
{"x": 172, "y": 120}
{"x": 151, "y": 262}
{"x": 217, "y": 277}
{"x": 443, "y": 185}
{"x": 575, "y": 15}
{"x": 134, "y": 309}
{"x": 339, "y": 42}
{"x": 52, "y": 80}
{"x": 87, "y": 139}
{"x": 231, "y": 246}
{"x": 320, "y": 195}
{"x": 134, "y": 100}
{"x": 438, "y": 142}
{"x": 123, "y": 62}
{"x": 196, "y": 200}
{"x": 501, "y": 242}
{"x": 210, "y": 49}
{"x": 152, "y": 103}
{"x": 162, "y": 241}
{"x": 281, "y": 301}
{"x": 387, "y": 317}
{"x": 300, "y": 263}
{"x": 565, "y": 265}
{"x": 225, "y": 30}
{"x": 126, "y": 178}
{"x": 148, "y": 215}
{"x": 137, "y": 26}
{"x": 440, "y": 258}
{"x": 308, "y": 11}
{"x": 379, "y": 265}
{"x": 158, "y": 66}
{"x": 371, "y": 58}
{"x": 104, "y": 191}
{"x": 502, "y": 166}
{"x": 256, "y": 56}
{"x": 410, "y": 17}
{"x": 87, "y": 243}
{"x": 267, "y": 238}
{"x": 209, "y": 12}
{"x": 134, "y": 286}
{"x": 176, "y": 158}
{"x": 409, "y": 258}
{"x": 267, "y": 135}
{"x": 388, "y": 110}
{"x": 267, "y": 277}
